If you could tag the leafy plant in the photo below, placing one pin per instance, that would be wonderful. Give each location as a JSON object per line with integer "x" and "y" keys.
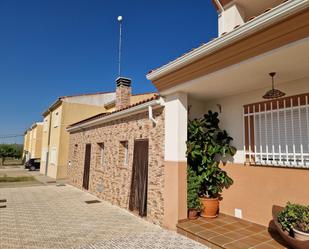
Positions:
{"x": 303, "y": 224}
{"x": 193, "y": 186}
{"x": 294, "y": 216}
{"x": 207, "y": 146}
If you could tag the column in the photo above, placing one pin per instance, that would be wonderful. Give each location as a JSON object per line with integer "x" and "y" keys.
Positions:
{"x": 175, "y": 189}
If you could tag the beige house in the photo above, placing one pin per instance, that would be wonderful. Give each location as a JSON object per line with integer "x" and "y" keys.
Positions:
{"x": 65, "y": 111}
{"x": 230, "y": 75}
{"x": 135, "y": 156}
{"x": 33, "y": 141}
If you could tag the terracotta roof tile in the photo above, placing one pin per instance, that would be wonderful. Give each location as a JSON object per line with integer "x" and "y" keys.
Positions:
{"x": 98, "y": 116}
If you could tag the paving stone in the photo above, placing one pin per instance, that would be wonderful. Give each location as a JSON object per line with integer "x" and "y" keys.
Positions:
{"x": 49, "y": 217}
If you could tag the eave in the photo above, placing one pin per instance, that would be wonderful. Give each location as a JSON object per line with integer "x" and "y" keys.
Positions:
{"x": 283, "y": 24}
{"x": 113, "y": 116}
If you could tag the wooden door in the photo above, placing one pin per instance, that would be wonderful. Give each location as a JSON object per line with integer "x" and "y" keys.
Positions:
{"x": 87, "y": 167}
{"x": 139, "y": 183}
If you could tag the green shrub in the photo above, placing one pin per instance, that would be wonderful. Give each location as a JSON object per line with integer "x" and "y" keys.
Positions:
{"x": 193, "y": 186}
{"x": 294, "y": 216}
{"x": 207, "y": 146}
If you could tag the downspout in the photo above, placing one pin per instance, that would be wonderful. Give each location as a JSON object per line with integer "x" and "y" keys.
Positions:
{"x": 150, "y": 115}
{"x": 48, "y": 142}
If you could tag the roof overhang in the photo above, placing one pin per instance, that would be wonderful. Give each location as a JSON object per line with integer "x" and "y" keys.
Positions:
{"x": 56, "y": 104}
{"x": 290, "y": 62}
{"x": 283, "y": 24}
{"x": 117, "y": 115}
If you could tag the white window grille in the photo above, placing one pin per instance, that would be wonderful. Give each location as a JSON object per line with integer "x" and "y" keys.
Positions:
{"x": 277, "y": 132}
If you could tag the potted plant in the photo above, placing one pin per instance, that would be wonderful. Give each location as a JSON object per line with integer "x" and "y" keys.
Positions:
{"x": 294, "y": 219}
{"x": 193, "y": 202}
{"x": 207, "y": 146}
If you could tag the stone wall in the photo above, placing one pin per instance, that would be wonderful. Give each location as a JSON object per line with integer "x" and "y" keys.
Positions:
{"x": 111, "y": 181}
{"x": 123, "y": 95}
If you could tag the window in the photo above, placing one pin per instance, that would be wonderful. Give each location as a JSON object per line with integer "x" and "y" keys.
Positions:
{"x": 56, "y": 120}
{"x": 53, "y": 155}
{"x": 124, "y": 153}
{"x": 101, "y": 154}
{"x": 277, "y": 132}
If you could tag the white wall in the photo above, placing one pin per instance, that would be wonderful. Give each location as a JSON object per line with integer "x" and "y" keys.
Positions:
{"x": 176, "y": 127}
{"x": 231, "y": 117}
{"x": 232, "y": 16}
{"x": 92, "y": 99}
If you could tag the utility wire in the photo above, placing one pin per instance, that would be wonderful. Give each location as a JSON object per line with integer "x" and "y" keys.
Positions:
{"x": 11, "y": 136}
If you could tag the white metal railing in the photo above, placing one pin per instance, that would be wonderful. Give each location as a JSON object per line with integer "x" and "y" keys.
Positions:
{"x": 277, "y": 132}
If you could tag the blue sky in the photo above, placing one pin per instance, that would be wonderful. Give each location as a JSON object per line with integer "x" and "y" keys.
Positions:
{"x": 50, "y": 48}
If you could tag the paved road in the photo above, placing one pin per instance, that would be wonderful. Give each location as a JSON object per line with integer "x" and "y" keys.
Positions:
{"x": 51, "y": 217}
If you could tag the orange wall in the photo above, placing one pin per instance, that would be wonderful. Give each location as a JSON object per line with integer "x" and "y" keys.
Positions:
{"x": 256, "y": 189}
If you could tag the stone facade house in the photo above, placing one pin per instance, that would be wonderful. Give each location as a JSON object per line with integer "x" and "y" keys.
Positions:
{"x": 119, "y": 156}
{"x": 110, "y": 152}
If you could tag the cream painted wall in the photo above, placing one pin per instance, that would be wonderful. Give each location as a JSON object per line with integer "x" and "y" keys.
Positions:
{"x": 72, "y": 113}
{"x": 45, "y": 135}
{"x": 54, "y": 140}
{"x": 255, "y": 189}
{"x": 232, "y": 16}
{"x": 176, "y": 127}
{"x": 26, "y": 145}
{"x": 68, "y": 113}
{"x": 36, "y": 141}
{"x": 231, "y": 117}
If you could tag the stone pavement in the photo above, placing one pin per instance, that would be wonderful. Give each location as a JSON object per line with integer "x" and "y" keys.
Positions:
{"x": 51, "y": 217}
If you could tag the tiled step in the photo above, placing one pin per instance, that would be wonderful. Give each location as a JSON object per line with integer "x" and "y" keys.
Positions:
{"x": 229, "y": 232}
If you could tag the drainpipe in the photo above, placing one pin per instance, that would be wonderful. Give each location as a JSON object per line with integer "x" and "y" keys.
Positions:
{"x": 48, "y": 142}
{"x": 150, "y": 115}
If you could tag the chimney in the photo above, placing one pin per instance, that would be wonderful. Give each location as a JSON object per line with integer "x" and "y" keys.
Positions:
{"x": 231, "y": 17}
{"x": 123, "y": 92}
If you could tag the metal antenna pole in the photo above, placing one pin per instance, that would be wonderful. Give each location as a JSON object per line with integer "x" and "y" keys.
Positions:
{"x": 120, "y": 40}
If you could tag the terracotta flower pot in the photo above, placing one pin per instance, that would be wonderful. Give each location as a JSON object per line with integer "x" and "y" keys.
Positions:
{"x": 300, "y": 235}
{"x": 192, "y": 214}
{"x": 210, "y": 207}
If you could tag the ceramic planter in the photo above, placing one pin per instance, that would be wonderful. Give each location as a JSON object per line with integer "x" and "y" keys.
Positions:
{"x": 210, "y": 207}
{"x": 300, "y": 235}
{"x": 192, "y": 214}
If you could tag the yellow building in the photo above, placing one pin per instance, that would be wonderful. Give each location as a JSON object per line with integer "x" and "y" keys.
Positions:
{"x": 33, "y": 141}
{"x": 26, "y": 151}
{"x": 36, "y": 140}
